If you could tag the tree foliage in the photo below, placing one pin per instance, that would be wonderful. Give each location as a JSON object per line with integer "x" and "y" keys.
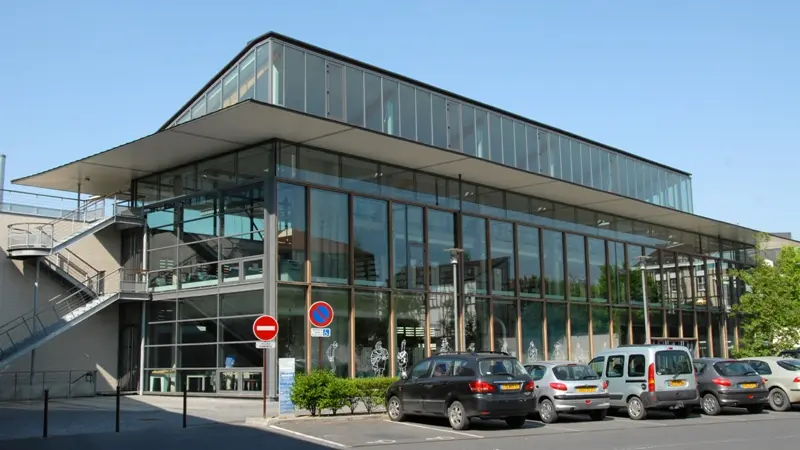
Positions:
{"x": 770, "y": 309}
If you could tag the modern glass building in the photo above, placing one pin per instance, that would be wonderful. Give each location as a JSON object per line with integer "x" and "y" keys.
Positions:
{"x": 297, "y": 174}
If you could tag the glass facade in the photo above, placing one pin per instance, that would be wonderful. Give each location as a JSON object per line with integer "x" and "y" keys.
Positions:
{"x": 302, "y": 80}
{"x": 537, "y": 280}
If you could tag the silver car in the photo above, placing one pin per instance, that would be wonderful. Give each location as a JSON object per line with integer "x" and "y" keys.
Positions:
{"x": 568, "y": 387}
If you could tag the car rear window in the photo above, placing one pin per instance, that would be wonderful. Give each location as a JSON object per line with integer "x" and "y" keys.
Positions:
{"x": 501, "y": 366}
{"x": 792, "y": 365}
{"x": 574, "y": 372}
{"x": 734, "y": 369}
{"x": 673, "y": 362}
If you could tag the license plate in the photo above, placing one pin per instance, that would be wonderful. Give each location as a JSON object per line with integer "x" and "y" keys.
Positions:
{"x": 677, "y": 383}
{"x": 749, "y": 385}
{"x": 586, "y": 389}
{"x": 510, "y": 387}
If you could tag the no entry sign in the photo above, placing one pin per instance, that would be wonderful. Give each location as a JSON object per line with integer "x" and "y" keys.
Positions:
{"x": 320, "y": 314}
{"x": 265, "y": 328}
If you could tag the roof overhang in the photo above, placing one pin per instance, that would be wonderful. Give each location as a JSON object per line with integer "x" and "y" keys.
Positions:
{"x": 251, "y": 122}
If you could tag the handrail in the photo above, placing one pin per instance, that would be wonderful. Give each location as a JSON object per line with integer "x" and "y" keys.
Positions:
{"x": 73, "y": 265}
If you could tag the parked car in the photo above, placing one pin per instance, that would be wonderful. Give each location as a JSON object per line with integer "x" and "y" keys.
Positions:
{"x": 462, "y": 386}
{"x": 793, "y": 354}
{"x": 646, "y": 377}
{"x": 568, "y": 387}
{"x": 726, "y": 382}
{"x": 782, "y": 379}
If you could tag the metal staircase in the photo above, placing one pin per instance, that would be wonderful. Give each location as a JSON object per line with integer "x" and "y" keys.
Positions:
{"x": 35, "y": 239}
{"x": 32, "y": 329}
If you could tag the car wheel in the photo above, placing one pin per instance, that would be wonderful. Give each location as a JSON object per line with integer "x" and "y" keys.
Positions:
{"x": 755, "y": 409}
{"x": 636, "y": 410}
{"x": 395, "y": 409}
{"x": 547, "y": 411}
{"x": 778, "y": 401}
{"x": 598, "y": 415}
{"x": 516, "y": 422}
{"x": 457, "y": 416}
{"x": 682, "y": 413}
{"x": 710, "y": 405}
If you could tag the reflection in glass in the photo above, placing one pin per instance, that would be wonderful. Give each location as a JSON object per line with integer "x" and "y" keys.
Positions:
{"x": 424, "y": 123}
{"x": 335, "y": 92}
{"x": 598, "y": 281}
{"x": 330, "y": 237}
{"x": 242, "y": 304}
{"x": 496, "y": 138}
{"x": 294, "y": 79}
{"x": 292, "y": 318}
{"x": 370, "y": 222}
{"x": 703, "y": 345}
{"x": 408, "y": 116}
{"x": 557, "y": 336}
{"x": 439, "y": 114}
{"x": 408, "y": 246}
{"x": 372, "y": 95}
{"x": 355, "y": 96}
{"x": 530, "y": 271}
{"x": 579, "y": 332}
{"x": 372, "y": 334}
{"x": 442, "y": 324}
{"x": 600, "y": 328}
{"x": 621, "y": 323}
{"x": 505, "y": 326}
{"x": 532, "y": 332}
{"x": 360, "y": 176}
{"x": 441, "y": 237}
{"x": 717, "y": 338}
{"x": 291, "y": 232}
{"x": 576, "y": 264}
{"x": 476, "y": 323}
{"x": 656, "y": 323}
{"x": 474, "y": 257}
{"x": 502, "y": 258}
{"x": 673, "y": 323}
{"x": 687, "y": 324}
{"x": 553, "y": 265}
{"x": 453, "y": 126}
{"x": 391, "y": 109}
{"x": 409, "y": 309}
{"x": 638, "y": 326}
{"x": 333, "y": 353}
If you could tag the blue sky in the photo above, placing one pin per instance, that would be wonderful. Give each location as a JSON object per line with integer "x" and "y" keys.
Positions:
{"x": 708, "y": 87}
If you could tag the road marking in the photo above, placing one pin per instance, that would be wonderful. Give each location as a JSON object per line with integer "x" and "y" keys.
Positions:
{"x": 265, "y": 328}
{"x": 572, "y": 430}
{"x": 440, "y": 438}
{"x": 438, "y": 429}
{"x": 308, "y": 436}
{"x": 381, "y": 441}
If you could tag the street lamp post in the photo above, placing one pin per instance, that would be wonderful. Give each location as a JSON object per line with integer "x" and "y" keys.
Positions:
{"x": 643, "y": 262}
{"x": 454, "y": 252}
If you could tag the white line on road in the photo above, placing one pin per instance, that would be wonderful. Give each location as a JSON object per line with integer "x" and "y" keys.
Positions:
{"x": 437, "y": 429}
{"x": 573, "y": 430}
{"x": 265, "y": 328}
{"x": 308, "y": 436}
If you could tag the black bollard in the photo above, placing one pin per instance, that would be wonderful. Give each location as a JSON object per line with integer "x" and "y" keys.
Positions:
{"x": 46, "y": 405}
{"x": 185, "y": 395}
{"x": 116, "y": 427}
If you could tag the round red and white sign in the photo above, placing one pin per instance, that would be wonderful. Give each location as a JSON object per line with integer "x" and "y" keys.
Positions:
{"x": 265, "y": 328}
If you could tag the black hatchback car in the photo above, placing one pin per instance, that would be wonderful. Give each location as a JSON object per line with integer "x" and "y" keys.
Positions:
{"x": 464, "y": 386}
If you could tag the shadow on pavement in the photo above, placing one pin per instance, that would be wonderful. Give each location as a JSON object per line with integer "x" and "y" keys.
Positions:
{"x": 476, "y": 424}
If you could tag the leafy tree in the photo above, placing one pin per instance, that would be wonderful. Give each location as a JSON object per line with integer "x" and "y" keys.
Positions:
{"x": 770, "y": 310}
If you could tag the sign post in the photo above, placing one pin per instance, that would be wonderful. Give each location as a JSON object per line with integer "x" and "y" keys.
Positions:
{"x": 265, "y": 329}
{"x": 320, "y": 314}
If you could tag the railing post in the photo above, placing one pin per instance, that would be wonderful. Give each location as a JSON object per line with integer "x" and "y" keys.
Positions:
{"x": 116, "y": 425}
{"x": 69, "y": 384}
{"x": 185, "y": 395}
{"x": 46, "y": 402}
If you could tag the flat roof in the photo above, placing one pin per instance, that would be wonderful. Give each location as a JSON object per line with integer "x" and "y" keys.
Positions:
{"x": 289, "y": 40}
{"x": 252, "y": 122}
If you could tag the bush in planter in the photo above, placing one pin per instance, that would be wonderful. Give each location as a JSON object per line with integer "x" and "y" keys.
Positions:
{"x": 372, "y": 391}
{"x": 311, "y": 390}
{"x": 338, "y": 393}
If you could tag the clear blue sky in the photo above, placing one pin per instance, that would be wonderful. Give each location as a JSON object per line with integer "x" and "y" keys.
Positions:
{"x": 709, "y": 87}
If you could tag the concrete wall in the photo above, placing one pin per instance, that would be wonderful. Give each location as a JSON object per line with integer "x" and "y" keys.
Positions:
{"x": 90, "y": 345}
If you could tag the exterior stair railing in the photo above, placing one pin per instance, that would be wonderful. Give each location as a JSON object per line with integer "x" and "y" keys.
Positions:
{"x": 57, "y": 313}
{"x": 50, "y": 234}
{"x": 73, "y": 266}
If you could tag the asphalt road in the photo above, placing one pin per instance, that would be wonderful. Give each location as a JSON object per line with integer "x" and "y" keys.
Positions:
{"x": 731, "y": 431}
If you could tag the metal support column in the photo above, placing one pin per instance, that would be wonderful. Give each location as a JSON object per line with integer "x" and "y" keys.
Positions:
{"x": 35, "y": 316}
{"x": 270, "y": 277}
{"x": 142, "y": 333}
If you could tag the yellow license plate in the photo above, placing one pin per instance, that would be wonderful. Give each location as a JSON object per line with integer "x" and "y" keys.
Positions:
{"x": 749, "y": 385}
{"x": 586, "y": 389}
{"x": 677, "y": 383}
{"x": 510, "y": 387}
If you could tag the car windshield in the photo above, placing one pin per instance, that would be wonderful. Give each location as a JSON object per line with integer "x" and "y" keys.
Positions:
{"x": 735, "y": 369}
{"x": 501, "y": 366}
{"x": 673, "y": 362}
{"x": 574, "y": 372}
{"x": 792, "y": 365}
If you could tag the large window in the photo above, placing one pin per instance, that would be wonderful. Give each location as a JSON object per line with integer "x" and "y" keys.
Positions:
{"x": 598, "y": 278}
{"x": 576, "y": 264}
{"x": 557, "y": 335}
{"x": 475, "y": 256}
{"x": 476, "y": 324}
{"x": 372, "y": 334}
{"x": 502, "y": 258}
{"x": 371, "y": 233}
{"x": 291, "y": 232}
{"x": 408, "y": 246}
{"x": 333, "y": 353}
{"x": 410, "y": 312}
{"x": 553, "y": 264}
{"x": 601, "y": 322}
{"x": 530, "y": 269}
{"x": 532, "y": 332}
{"x": 292, "y": 319}
{"x": 330, "y": 237}
{"x": 579, "y": 332}
{"x": 441, "y": 237}
{"x": 505, "y": 326}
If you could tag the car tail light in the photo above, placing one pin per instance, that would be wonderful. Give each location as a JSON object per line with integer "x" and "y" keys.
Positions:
{"x": 724, "y": 382}
{"x": 651, "y": 378}
{"x": 605, "y": 384}
{"x": 558, "y": 386}
{"x": 764, "y": 381}
{"x": 529, "y": 386}
{"x": 796, "y": 379}
{"x": 481, "y": 387}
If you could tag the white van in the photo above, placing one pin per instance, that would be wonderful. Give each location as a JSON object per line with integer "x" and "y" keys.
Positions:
{"x": 647, "y": 377}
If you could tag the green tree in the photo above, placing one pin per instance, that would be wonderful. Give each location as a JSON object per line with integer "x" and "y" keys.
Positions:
{"x": 770, "y": 311}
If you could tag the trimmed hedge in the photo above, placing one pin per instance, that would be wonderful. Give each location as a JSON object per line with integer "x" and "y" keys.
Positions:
{"x": 322, "y": 390}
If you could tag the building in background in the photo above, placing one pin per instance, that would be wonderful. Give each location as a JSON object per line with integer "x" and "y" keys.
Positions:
{"x": 297, "y": 175}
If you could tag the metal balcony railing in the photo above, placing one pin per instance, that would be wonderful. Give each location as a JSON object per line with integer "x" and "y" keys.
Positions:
{"x": 61, "y": 310}
{"x": 72, "y": 265}
{"x": 32, "y": 204}
{"x": 45, "y": 235}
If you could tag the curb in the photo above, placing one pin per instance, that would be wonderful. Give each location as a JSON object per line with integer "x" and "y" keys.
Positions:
{"x": 258, "y": 421}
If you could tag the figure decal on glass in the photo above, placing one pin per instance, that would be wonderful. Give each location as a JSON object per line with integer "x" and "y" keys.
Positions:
{"x": 504, "y": 347}
{"x": 445, "y": 347}
{"x": 378, "y": 359}
{"x": 579, "y": 353}
{"x": 558, "y": 351}
{"x": 402, "y": 358}
{"x": 533, "y": 353}
{"x": 331, "y": 354}
{"x": 471, "y": 348}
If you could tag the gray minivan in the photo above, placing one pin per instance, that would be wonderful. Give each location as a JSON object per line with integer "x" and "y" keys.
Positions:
{"x": 647, "y": 377}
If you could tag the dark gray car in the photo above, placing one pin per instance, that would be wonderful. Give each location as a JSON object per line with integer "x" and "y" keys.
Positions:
{"x": 726, "y": 382}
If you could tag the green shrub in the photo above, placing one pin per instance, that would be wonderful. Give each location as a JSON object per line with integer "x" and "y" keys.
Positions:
{"x": 322, "y": 390}
{"x": 337, "y": 395}
{"x": 310, "y": 390}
